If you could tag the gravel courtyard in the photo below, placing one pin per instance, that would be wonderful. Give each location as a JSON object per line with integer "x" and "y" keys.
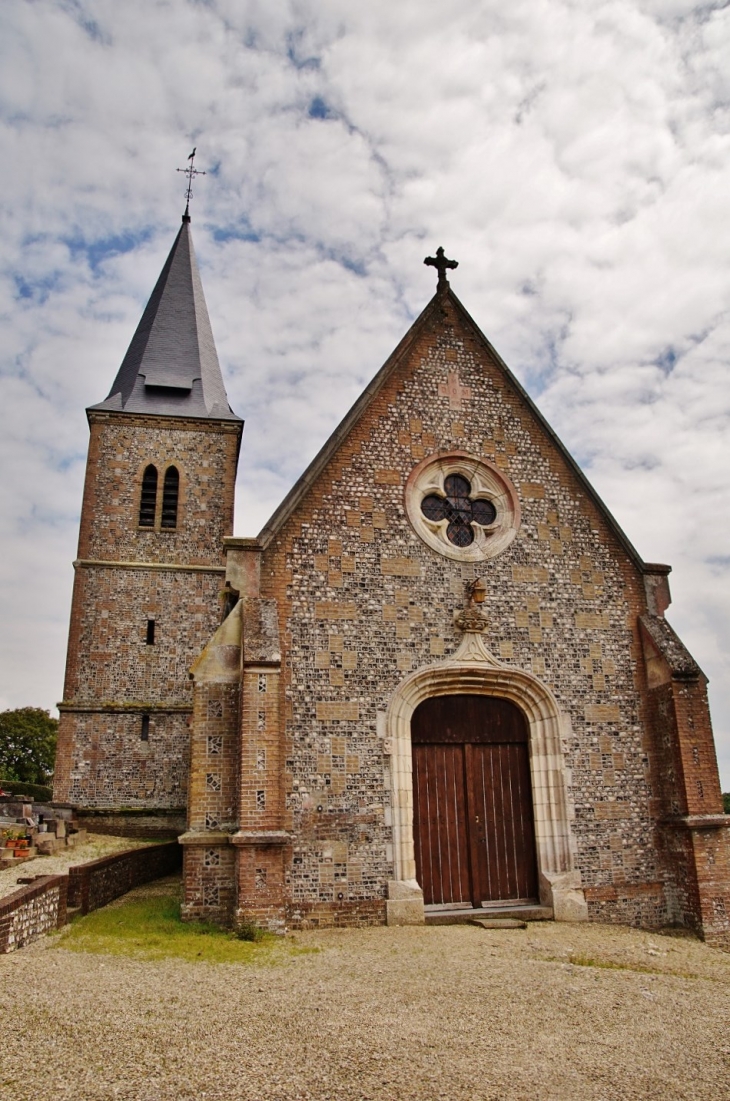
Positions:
{"x": 453, "y": 1013}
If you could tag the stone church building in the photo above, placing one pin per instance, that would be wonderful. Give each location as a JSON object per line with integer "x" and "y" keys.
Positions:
{"x": 440, "y": 678}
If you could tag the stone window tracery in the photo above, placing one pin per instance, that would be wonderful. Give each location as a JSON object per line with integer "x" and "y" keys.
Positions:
{"x": 459, "y": 509}
{"x": 462, "y": 506}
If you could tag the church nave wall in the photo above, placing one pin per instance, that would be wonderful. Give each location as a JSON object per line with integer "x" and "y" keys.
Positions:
{"x": 364, "y": 601}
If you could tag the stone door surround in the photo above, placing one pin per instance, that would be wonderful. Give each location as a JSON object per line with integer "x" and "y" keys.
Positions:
{"x": 473, "y": 669}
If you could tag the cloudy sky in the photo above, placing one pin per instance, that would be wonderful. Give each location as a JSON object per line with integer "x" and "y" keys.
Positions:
{"x": 571, "y": 154}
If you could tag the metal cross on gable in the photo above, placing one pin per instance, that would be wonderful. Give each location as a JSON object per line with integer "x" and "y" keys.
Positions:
{"x": 191, "y": 171}
{"x": 441, "y": 263}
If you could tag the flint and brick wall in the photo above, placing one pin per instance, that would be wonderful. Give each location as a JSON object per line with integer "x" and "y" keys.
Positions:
{"x": 31, "y": 911}
{"x": 120, "y": 447}
{"x": 111, "y": 766}
{"x": 135, "y": 823}
{"x": 693, "y": 833}
{"x": 209, "y": 874}
{"x": 125, "y": 576}
{"x": 363, "y": 601}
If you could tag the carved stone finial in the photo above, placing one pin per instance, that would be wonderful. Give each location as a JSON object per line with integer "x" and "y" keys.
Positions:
{"x": 471, "y": 620}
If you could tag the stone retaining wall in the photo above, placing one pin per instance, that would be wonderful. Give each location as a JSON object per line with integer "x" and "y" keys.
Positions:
{"x": 42, "y": 905}
{"x": 32, "y": 910}
{"x": 100, "y": 881}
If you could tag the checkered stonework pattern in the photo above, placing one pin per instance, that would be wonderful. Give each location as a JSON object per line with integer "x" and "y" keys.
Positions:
{"x": 362, "y": 602}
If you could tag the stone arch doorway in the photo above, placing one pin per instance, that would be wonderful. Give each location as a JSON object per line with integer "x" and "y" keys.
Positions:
{"x": 473, "y": 823}
{"x": 472, "y": 670}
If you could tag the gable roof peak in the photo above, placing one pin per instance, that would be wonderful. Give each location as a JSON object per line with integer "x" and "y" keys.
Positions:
{"x": 171, "y": 367}
{"x": 442, "y": 313}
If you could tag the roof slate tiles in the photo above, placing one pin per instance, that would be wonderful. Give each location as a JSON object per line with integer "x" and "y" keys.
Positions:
{"x": 171, "y": 367}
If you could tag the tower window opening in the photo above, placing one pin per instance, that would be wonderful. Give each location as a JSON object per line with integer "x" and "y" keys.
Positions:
{"x": 150, "y": 632}
{"x": 170, "y": 494}
{"x": 145, "y": 731}
{"x": 148, "y": 498}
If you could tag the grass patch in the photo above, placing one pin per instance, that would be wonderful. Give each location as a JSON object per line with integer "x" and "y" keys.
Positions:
{"x": 151, "y": 929}
{"x": 580, "y": 960}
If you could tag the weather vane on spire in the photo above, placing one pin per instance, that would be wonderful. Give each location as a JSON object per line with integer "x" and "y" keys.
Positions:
{"x": 190, "y": 172}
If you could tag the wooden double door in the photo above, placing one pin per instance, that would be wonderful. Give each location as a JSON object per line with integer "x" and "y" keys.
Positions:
{"x": 472, "y": 802}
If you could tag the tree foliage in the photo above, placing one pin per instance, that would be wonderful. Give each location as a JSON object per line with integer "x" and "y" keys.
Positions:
{"x": 27, "y": 745}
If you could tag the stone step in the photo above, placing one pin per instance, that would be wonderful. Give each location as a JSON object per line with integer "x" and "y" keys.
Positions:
{"x": 499, "y": 923}
{"x": 520, "y": 914}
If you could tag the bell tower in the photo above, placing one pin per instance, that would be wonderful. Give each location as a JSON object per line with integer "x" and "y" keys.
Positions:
{"x": 149, "y": 575}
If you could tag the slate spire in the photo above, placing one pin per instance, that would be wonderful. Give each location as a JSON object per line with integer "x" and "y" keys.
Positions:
{"x": 171, "y": 367}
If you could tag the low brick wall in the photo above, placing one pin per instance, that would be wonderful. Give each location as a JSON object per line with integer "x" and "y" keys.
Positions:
{"x": 100, "y": 881}
{"x": 42, "y": 905}
{"x": 32, "y": 910}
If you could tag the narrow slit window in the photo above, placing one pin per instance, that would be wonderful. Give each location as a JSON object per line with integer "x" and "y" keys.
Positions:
{"x": 170, "y": 494}
{"x": 145, "y": 731}
{"x": 148, "y": 498}
{"x": 150, "y": 632}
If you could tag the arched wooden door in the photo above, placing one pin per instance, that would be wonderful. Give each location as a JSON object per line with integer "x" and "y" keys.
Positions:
{"x": 472, "y": 802}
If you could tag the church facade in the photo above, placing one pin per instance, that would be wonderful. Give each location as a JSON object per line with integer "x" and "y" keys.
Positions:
{"x": 440, "y": 678}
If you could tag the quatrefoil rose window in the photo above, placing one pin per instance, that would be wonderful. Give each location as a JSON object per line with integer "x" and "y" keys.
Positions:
{"x": 463, "y": 507}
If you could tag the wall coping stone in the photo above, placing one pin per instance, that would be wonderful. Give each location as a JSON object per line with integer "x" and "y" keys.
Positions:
{"x": 261, "y": 837}
{"x": 207, "y": 837}
{"x": 700, "y": 821}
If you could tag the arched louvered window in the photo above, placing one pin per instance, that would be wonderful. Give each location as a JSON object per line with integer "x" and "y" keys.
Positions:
{"x": 170, "y": 494}
{"x": 148, "y": 498}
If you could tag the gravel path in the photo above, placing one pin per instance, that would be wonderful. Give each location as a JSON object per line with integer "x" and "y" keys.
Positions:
{"x": 456, "y": 1013}
{"x": 97, "y": 844}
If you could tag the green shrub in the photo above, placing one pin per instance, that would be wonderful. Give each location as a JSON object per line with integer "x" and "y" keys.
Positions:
{"x": 37, "y": 792}
{"x": 27, "y": 745}
{"x": 248, "y": 930}
{"x": 726, "y": 801}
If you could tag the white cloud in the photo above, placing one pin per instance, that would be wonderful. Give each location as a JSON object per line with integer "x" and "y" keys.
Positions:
{"x": 573, "y": 157}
